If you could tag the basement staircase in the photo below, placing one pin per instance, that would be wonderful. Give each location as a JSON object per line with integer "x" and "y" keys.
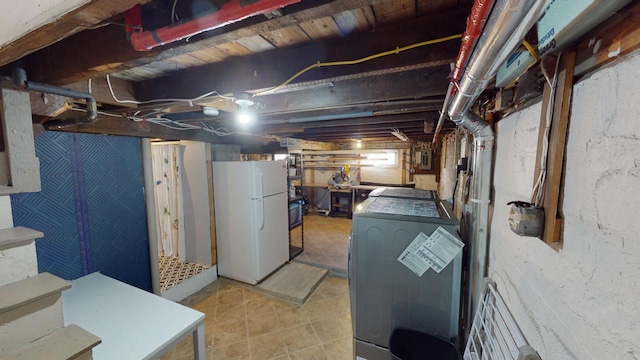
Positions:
{"x": 31, "y": 316}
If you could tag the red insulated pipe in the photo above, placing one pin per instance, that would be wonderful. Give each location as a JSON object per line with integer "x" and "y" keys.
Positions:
{"x": 229, "y": 13}
{"x": 475, "y": 23}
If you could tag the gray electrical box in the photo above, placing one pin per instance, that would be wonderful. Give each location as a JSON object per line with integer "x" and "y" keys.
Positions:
{"x": 385, "y": 294}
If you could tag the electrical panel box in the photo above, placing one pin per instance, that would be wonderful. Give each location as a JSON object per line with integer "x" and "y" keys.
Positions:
{"x": 566, "y": 20}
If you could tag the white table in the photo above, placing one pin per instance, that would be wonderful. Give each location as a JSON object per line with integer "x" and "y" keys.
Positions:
{"x": 133, "y": 324}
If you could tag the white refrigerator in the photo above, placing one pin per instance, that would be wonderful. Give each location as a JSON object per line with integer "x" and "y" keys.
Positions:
{"x": 252, "y": 232}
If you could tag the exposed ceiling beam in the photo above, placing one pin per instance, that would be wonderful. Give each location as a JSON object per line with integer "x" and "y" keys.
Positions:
{"x": 389, "y": 120}
{"x": 415, "y": 84}
{"x": 271, "y": 68}
{"x": 103, "y": 51}
{"x": 77, "y": 20}
{"x": 122, "y": 127}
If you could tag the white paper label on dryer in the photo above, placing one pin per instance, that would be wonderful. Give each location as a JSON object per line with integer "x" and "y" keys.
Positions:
{"x": 435, "y": 251}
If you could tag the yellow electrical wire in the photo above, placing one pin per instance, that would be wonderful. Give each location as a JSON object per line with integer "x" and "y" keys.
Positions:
{"x": 531, "y": 50}
{"x": 361, "y": 60}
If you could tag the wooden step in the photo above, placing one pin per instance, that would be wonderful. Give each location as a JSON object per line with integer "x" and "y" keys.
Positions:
{"x": 23, "y": 292}
{"x": 17, "y": 236}
{"x": 70, "y": 342}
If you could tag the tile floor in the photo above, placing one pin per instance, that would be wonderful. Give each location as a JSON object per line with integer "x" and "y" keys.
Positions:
{"x": 326, "y": 242}
{"x": 242, "y": 323}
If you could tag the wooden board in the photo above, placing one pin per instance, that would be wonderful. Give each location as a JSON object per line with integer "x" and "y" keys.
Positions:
{"x": 557, "y": 144}
{"x": 352, "y": 21}
{"x": 394, "y": 11}
{"x": 616, "y": 37}
{"x": 324, "y": 28}
{"x": 288, "y": 36}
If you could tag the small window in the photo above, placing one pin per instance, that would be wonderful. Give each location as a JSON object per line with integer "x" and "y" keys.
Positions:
{"x": 385, "y": 158}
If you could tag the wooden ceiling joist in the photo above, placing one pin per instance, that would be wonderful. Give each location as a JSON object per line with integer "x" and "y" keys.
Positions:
{"x": 103, "y": 51}
{"x": 271, "y": 68}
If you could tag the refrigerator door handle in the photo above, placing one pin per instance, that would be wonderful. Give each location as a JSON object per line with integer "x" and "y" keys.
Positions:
{"x": 261, "y": 199}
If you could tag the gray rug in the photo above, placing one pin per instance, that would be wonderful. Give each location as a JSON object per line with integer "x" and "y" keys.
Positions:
{"x": 294, "y": 282}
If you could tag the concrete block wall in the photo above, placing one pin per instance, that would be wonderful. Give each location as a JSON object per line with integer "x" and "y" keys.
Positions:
{"x": 15, "y": 263}
{"x": 580, "y": 302}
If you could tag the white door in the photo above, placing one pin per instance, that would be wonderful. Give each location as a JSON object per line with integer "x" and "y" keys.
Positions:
{"x": 272, "y": 240}
{"x": 270, "y": 178}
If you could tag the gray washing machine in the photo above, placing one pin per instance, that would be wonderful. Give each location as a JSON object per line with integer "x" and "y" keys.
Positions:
{"x": 385, "y": 294}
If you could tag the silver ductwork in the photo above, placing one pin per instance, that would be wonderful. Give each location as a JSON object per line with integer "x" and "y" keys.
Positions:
{"x": 505, "y": 29}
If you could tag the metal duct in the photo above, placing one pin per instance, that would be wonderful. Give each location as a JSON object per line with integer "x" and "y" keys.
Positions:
{"x": 505, "y": 28}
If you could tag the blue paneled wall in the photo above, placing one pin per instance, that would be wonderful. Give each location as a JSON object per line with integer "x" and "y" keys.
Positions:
{"x": 91, "y": 207}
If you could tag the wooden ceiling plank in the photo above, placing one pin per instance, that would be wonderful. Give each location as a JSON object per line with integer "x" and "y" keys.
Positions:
{"x": 289, "y": 36}
{"x": 186, "y": 60}
{"x": 256, "y": 44}
{"x": 352, "y": 21}
{"x": 91, "y": 50}
{"x": 394, "y": 11}
{"x": 234, "y": 49}
{"x": 80, "y": 19}
{"x": 271, "y": 68}
{"x": 320, "y": 29}
{"x": 210, "y": 55}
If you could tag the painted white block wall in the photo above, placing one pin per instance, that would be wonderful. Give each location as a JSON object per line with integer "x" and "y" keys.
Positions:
{"x": 580, "y": 302}
{"x": 21, "y": 17}
{"x": 15, "y": 263}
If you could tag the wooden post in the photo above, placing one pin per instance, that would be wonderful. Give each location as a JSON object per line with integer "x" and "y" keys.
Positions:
{"x": 557, "y": 143}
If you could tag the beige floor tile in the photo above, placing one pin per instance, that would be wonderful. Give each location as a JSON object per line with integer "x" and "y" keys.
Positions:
{"x": 321, "y": 310}
{"x": 267, "y": 347}
{"x": 250, "y": 294}
{"x": 259, "y": 306}
{"x": 230, "y": 297}
{"x": 292, "y": 317}
{"x": 340, "y": 349}
{"x": 228, "y": 333}
{"x": 263, "y": 324}
{"x": 332, "y": 329}
{"x": 184, "y": 348}
{"x": 235, "y": 351}
{"x": 229, "y": 313}
{"x": 312, "y": 353}
{"x": 299, "y": 338}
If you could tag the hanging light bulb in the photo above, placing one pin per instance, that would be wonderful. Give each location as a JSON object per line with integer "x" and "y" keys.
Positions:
{"x": 244, "y": 114}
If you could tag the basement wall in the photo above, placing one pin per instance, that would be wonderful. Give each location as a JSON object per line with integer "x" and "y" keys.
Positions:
{"x": 580, "y": 302}
{"x": 16, "y": 263}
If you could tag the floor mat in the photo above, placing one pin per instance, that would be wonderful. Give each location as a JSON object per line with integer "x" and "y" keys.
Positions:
{"x": 294, "y": 282}
{"x": 173, "y": 272}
